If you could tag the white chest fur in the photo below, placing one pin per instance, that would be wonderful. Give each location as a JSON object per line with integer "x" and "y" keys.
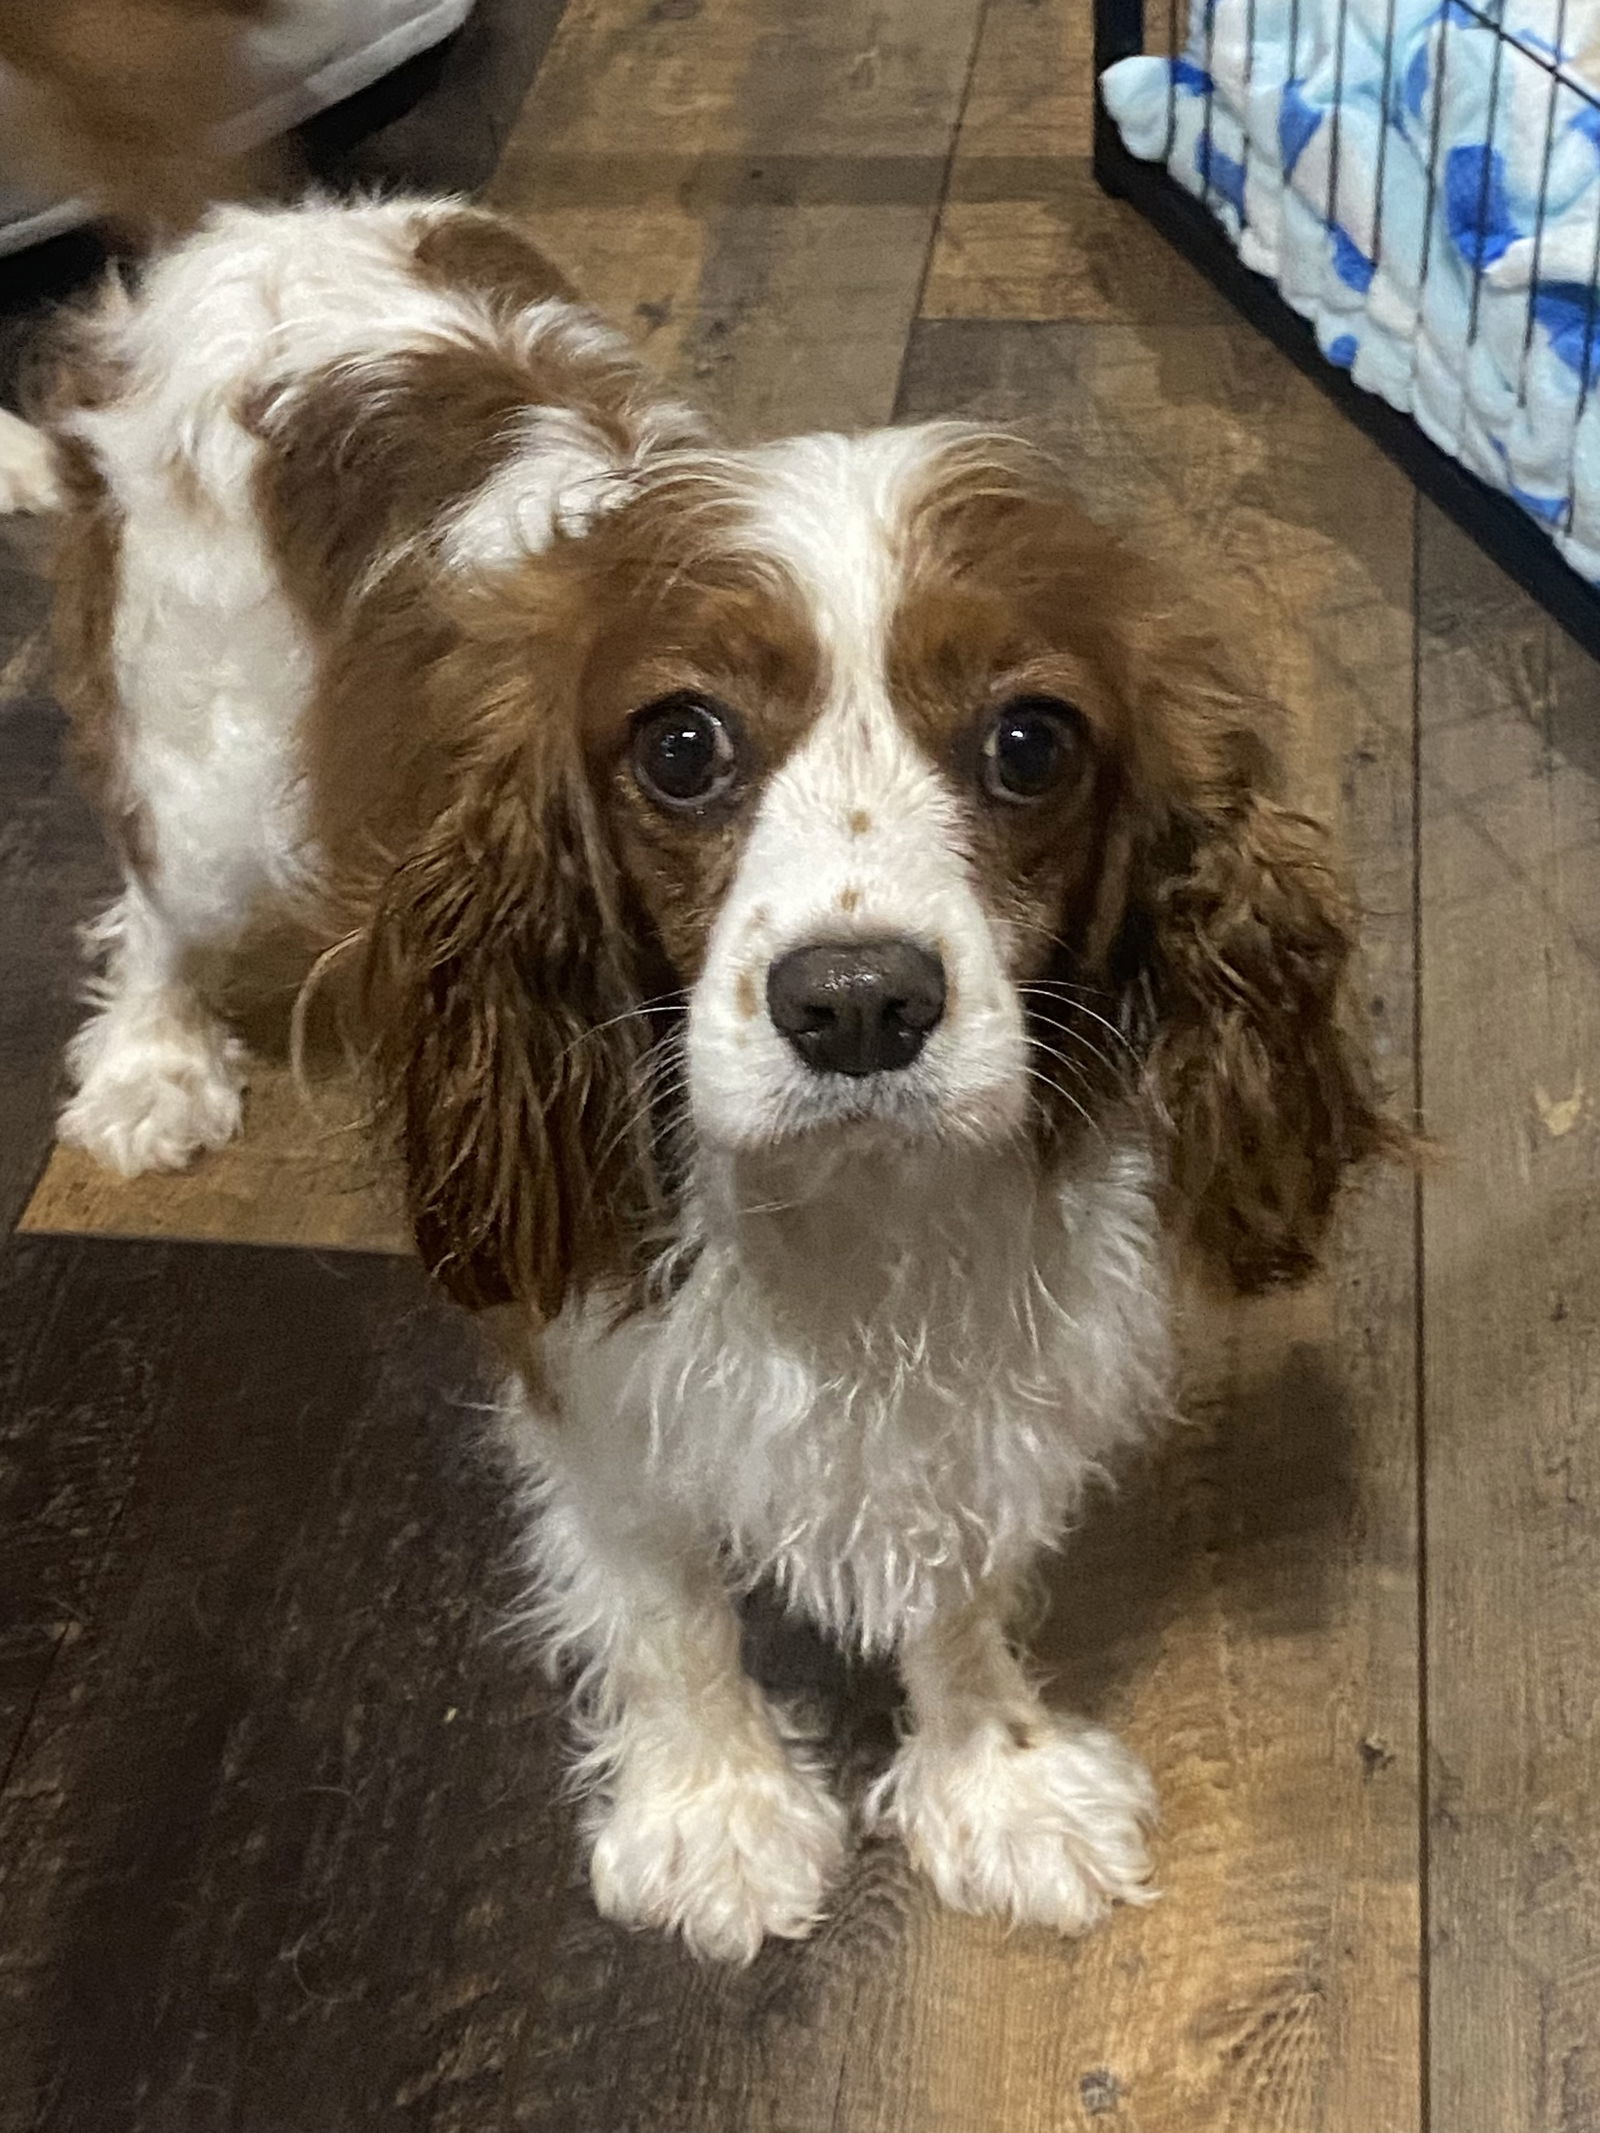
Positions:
{"x": 876, "y": 1386}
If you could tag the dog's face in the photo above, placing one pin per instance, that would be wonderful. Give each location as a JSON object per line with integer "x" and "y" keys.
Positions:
{"x": 900, "y": 774}
{"x": 851, "y": 774}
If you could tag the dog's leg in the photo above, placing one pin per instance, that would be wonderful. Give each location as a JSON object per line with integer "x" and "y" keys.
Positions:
{"x": 185, "y": 687}
{"x": 1005, "y": 1807}
{"x": 703, "y": 1818}
{"x": 157, "y": 1076}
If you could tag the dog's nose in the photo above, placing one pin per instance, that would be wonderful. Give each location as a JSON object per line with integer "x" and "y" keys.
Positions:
{"x": 862, "y": 1007}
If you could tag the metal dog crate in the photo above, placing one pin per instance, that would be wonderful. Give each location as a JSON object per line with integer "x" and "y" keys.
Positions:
{"x": 1496, "y": 522}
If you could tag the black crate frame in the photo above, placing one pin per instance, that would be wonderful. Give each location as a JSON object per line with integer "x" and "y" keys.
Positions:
{"x": 1499, "y": 526}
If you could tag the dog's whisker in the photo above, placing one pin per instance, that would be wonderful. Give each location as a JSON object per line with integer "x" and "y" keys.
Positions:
{"x": 1066, "y": 1096}
{"x": 663, "y": 1004}
{"x": 1080, "y": 1007}
{"x": 1074, "y": 1067}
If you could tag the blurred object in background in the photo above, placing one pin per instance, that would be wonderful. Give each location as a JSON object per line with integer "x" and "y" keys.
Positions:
{"x": 122, "y": 101}
{"x": 140, "y": 111}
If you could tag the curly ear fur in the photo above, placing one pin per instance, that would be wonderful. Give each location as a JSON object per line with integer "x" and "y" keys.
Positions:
{"x": 1236, "y": 956}
{"x": 1262, "y": 1082}
{"x": 496, "y": 993}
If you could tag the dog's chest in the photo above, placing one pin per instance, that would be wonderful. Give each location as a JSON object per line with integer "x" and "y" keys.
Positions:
{"x": 870, "y": 1432}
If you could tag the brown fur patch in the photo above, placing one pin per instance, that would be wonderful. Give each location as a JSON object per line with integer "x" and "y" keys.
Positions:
{"x": 860, "y": 822}
{"x": 488, "y": 257}
{"x": 746, "y": 998}
{"x": 509, "y": 949}
{"x": 411, "y": 439}
{"x": 849, "y": 900}
{"x": 549, "y": 897}
{"x": 468, "y": 751}
{"x": 411, "y": 436}
{"x": 86, "y": 561}
{"x": 716, "y": 625}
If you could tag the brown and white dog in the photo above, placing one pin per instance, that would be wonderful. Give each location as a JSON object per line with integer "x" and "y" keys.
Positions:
{"x": 825, "y": 935}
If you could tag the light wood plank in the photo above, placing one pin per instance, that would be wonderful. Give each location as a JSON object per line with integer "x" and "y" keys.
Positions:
{"x": 1511, "y": 953}
{"x": 300, "y": 1174}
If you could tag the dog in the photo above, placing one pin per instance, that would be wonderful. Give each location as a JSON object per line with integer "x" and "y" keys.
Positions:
{"x": 825, "y": 942}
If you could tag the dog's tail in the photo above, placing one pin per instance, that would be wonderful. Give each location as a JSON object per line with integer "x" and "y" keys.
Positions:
{"x": 30, "y": 478}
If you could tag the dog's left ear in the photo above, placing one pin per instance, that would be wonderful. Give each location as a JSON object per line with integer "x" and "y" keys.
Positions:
{"x": 498, "y": 998}
{"x": 1235, "y": 958}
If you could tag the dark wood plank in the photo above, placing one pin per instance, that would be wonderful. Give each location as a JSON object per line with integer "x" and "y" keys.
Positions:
{"x": 66, "y": 1463}
{"x": 1511, "y": 945}
{"x": 283, "y": 1846}
{"x": 286, "y": 1845}
{"x": 440, "y": 123}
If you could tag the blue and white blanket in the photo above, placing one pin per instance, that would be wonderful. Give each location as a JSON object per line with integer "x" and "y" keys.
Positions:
{"x": 1389, "y": 179}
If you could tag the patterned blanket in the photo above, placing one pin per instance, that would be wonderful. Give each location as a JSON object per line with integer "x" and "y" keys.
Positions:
{"x": 1422, "y": 181}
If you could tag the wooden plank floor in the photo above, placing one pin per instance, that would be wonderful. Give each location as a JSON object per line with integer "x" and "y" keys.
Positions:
{"x": 282, "y": 1844}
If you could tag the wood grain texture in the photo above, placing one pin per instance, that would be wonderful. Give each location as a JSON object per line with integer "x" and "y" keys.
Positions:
{"x": 301, "y": 1173}
{"x": 1025, "y": 232}
{"x": 283, "y": 1785}
{"x": 1511, "y": 1015}
{"x": 286, "y": 1844}
{"x": 754, "y": 185}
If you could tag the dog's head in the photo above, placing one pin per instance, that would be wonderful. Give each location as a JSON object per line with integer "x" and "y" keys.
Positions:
{"x": 853, "y": 789}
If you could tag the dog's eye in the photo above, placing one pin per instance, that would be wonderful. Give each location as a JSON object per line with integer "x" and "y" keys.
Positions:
{"x": 683, "y": 752}
{"x": 1033, "y": 745}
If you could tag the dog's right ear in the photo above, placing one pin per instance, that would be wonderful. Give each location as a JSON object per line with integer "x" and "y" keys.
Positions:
{"x": 496, "y": 995}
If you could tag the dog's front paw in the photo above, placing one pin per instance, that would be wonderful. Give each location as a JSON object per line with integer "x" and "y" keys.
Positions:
{"x": 157, "y": 1101}
{"x": 1043, "y": 1825}
{"x": 724, "y": 1852}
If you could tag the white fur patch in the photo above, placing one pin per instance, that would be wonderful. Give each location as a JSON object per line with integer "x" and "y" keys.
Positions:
{"x": 857, "y": 838}
{"x": 884, "y": 1381}
{"x": 712, "y": 1831}
{"x": 560, "y": 476}
{"x": 1047, "y": 1831}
